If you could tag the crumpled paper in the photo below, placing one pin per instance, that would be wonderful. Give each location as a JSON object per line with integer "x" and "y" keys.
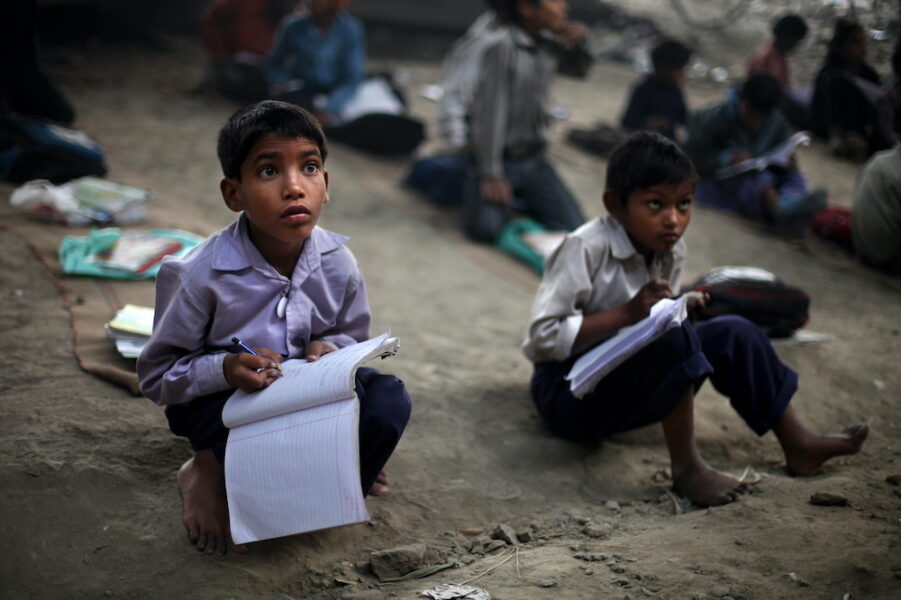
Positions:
{"x": 449, "y": 591}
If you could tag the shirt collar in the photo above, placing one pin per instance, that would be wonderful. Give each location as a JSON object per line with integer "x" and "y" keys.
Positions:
{"x": 621, "y": 246}
{"x": 234, "y": 251}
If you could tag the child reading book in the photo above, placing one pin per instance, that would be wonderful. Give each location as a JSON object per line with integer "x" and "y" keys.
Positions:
{"x": 277, "y": 281}
{"x": 606, "y": 275}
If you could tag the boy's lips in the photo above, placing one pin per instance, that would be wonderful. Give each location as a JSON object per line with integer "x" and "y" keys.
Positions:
{"x": 296, "y": 213}
{"x": 670, "y": 238}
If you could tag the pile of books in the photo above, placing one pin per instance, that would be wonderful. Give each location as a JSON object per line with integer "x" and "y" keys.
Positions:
{"x": 130, "y": 329}
{"x": 137, "y": 251}
{"x": 83, "y": 201}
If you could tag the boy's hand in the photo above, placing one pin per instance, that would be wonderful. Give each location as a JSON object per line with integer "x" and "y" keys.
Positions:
{"x": 571, "y": 33}
{"x": 496, "y": 190}
{"x": 317, "y": 349}
{"x": 250, "y": 373}
{"x": 640, "y": 306}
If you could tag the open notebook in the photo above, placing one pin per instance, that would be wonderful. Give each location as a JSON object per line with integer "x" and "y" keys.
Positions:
{"x": 292, "y": 462}
{"x": 595, "y": 364}
{"x": 780, "y": 156}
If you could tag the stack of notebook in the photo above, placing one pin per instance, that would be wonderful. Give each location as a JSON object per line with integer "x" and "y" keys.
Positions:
{"x": 130, "y": 329}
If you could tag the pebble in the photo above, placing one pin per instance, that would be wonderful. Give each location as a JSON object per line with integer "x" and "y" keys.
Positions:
{"x": 524, "y": 535}
{"x": 590, "y": 556}
{"x": 495, "y": 545}
{"x": 505, "y": 533}
{"x": 828, "y": 499}
{"x": 597, "y": 530}
{"x": 396, "y": 562}
{"x": 611, "y": 505}
{"x": 547, "y": 583}
{"x": 894, "y": 479}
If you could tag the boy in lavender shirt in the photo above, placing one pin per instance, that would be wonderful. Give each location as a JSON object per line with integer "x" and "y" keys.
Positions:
{"x": 286, "y": 287}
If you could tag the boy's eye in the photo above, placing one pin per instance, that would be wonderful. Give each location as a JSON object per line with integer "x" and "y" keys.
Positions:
{"x": 267, "y": 171}
{"x": 684, "y": 204}
{"x": 654, "y": 203}
{"x": 311, "y": 168}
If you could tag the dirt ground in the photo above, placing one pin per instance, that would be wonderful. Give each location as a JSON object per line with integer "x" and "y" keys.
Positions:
{"x": 89, "y": 507}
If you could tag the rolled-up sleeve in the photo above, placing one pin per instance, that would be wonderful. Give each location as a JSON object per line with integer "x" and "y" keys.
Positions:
{"x": 174, "y": 366}
{"x": 557, "y": 312}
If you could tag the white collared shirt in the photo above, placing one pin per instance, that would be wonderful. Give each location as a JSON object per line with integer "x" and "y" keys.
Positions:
{"x": 595, "y": 268}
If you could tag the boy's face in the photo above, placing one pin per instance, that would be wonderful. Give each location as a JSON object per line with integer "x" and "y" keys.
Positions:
{"x": 753, "y": 119}
{"x": 673, "y": 77}
{"x": 655, "y": 217}
{"x": 546, "y": 14}
{"x": 283, "y": 188}
{"x": 327, "y": 7}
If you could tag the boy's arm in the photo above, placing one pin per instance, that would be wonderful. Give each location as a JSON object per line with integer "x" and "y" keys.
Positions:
{"x": 634, "y": 116}
{"x": 489, "y": 111}
{"x": 573, "y": 57}
{"x": 353, "y": 321}
{"x": 174, "y": 367}
{"x": 600, "y": 325}
{"x": 352, "y": 67}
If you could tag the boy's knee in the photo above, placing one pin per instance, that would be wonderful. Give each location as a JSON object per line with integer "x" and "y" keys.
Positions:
{"x": 734, "y": 330}
{"x": 387, "y": 405}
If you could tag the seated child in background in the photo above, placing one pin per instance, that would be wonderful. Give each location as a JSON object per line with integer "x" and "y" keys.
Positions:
{"x": 772, "y": 57}
{"x": 238, "y": 35}
{"x": 843, "y": 107}
{"x": 324, "y": 53}
{"x": 287, "y": 287}
{"x": 508, "y": 119}
{"x": 606, "y": 275}
{"x": 657, "y": 102}
{"x": 747, "y": 125}
{"x": 876, "y": 212}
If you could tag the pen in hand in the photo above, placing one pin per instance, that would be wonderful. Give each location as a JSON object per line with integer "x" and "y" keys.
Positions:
{"x": 237, "y": 342}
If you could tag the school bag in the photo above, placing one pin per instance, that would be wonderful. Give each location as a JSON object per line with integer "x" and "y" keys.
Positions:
{"x": 35, "y": 149}
{"x": 777, "y": 307}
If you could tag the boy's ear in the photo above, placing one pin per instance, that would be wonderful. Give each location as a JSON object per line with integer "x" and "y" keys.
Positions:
{"x": 612, "y": 204}
{"x": 229, "y": 189}
{"x": 325, "y": 176}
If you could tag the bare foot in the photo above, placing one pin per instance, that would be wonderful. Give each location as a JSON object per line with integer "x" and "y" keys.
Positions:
{"x": 380, "y": 487}
{"x": 707, "y": 487}
{"x": 201, "y": 482}
{"x": 805, "y": 456}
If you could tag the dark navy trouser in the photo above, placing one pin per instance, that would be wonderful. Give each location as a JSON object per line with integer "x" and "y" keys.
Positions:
{"x": 539, "y": 193}
{"x": 384, "y": 411}
{"x": 733, "y": 352}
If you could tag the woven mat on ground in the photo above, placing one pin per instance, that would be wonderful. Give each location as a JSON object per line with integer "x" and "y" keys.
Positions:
{"x": 91, "y": 302}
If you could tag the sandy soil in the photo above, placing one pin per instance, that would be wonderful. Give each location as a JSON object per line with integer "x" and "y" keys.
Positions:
{"x": 89, "y": 506}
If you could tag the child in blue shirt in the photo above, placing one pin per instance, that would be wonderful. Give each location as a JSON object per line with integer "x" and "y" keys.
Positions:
{"x": 275, "y": 279}
{"x": 606, "y": 275}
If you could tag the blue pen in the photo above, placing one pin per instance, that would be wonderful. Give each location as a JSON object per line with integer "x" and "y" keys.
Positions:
{"x": 244, "y": 347}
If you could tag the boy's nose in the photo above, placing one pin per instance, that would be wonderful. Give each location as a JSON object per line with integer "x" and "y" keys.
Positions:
{"x": 293, "y": 185}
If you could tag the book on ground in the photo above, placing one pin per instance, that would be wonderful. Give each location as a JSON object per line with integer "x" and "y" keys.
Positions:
{"x": 595, "y": 364}
{"x": 292, "y": 461}
{"x": 130, "y": 329}
{"x": 780, "y": 157}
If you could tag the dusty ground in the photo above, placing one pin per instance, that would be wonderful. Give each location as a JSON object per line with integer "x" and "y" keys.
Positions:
{"x": 89, "y": 506}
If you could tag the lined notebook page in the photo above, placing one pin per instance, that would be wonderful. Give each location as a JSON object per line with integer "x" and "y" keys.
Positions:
{"x": 295, "y": 473}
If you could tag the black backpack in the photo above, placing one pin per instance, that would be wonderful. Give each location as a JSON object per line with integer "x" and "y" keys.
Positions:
{"x": 777, "y": 307}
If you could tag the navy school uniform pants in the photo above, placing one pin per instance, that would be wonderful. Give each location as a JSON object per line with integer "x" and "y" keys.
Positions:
{"x": 731, "y": 351}
{"x": 384, "y": 411}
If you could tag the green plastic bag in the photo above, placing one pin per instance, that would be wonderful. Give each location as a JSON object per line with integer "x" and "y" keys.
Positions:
{"x": 84, "y": 255}
{"x": 510, "y": 241}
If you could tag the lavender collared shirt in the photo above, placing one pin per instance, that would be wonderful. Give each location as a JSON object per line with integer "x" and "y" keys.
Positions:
{"x": 225, "y": 288}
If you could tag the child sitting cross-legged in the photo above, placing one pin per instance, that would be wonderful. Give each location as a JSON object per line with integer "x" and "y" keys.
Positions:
{"x": 289, "y": 288}
{"x": 606, "y": 275}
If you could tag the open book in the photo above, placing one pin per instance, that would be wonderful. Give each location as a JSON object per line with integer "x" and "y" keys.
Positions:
{"x": 292, "y": 462}
{"x": 779, "y": 156}
{"x": 595, "y": 364}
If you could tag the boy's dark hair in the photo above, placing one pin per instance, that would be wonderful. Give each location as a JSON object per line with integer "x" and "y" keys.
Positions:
{"x": 844, "y": 29}
{"x": 245, "y": 127}
{"x": 511, "y": 8}
{"x": 644, "y": 160}
{"x": 790, "y": 26}
{"x": 762, "y": 92}
{"x": 669, "y": 55}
